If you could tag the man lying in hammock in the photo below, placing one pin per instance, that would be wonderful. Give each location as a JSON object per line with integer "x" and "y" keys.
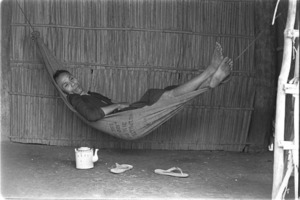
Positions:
{"x": 94, "y": 106}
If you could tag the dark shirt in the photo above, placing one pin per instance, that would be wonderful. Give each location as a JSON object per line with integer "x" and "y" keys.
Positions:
{"x": 89, "y": 106}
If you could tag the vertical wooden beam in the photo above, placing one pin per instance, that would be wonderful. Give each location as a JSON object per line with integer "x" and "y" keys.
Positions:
{"x": 281, "y": 99}
{"x": 265, "y": 75}
{"x": 296, "y": 130}
{"x": 6, "y": 15}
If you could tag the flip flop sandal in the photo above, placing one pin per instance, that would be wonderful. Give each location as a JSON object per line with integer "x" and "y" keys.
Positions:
{"x": 174, "y": 171}
{"x": 121, "y": 168}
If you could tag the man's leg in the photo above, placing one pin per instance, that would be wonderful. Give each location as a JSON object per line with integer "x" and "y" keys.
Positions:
{"x": 222, "y": 72}
{"x": 194, "y": 83}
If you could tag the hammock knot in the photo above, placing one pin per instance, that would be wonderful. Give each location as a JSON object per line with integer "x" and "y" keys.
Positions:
{"x": 35, "y": 35}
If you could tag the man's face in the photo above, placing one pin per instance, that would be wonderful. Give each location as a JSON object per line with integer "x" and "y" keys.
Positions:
{"x": 69, "y": 84}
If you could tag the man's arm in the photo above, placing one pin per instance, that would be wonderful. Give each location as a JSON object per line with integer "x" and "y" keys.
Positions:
{"x": 117, "y": 106}
{"x": 92, "y": 113}
{"x": 89, "y": 112}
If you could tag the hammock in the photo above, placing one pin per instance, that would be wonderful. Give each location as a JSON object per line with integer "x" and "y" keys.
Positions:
{"x": 128, "y": 125}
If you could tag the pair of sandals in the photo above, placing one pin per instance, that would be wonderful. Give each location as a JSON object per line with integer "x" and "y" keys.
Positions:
{"x": 174, "y": 171}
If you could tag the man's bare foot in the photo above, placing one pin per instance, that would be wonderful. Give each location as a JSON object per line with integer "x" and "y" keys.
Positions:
{"x": 223, "y": 71}
{"x": 216, "y": 60}
{"x": 217, "y": 56}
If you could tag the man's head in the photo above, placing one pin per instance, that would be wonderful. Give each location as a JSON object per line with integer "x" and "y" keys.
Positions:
{"x": 67, "y": 82}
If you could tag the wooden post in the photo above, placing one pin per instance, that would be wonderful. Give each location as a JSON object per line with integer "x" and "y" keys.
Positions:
{"x": 296, "y": 130}
{"x": 278, "y": 169}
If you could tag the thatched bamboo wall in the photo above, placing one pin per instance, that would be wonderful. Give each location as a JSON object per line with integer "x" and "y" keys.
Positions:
{"x": 121, "y": 48}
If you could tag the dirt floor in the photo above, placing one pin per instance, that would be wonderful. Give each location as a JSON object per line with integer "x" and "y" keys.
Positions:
{"x": 39, "y": 171}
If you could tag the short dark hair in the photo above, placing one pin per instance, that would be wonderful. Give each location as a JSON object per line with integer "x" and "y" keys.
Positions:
{"x": 59, "y": 72}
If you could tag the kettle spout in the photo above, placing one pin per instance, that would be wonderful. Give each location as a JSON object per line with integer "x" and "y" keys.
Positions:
{"x": 95, "y": 157}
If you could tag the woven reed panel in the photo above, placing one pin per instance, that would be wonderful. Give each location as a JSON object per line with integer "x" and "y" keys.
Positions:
{"x": 122, "y": 48}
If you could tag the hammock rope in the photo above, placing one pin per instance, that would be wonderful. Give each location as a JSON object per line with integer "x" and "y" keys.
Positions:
{"x": 25, "y": 16}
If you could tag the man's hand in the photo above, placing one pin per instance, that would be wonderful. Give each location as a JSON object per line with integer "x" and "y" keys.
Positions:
{"x": 113, "y": 107}
{"x": 123, "y": 105}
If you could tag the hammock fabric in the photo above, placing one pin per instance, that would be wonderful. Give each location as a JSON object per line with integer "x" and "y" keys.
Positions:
{"x": 128, "y": 125}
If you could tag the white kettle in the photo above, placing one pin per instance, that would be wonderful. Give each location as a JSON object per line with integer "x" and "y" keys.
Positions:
{"x": 85, "y": 158}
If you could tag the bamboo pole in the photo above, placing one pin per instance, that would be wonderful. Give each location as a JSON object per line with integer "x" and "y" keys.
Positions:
{"x": 296, "y": 150}
{"x": 278, "y": 167}
{"x": 296, "y": 129}
{"x": 285, "y": 179}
